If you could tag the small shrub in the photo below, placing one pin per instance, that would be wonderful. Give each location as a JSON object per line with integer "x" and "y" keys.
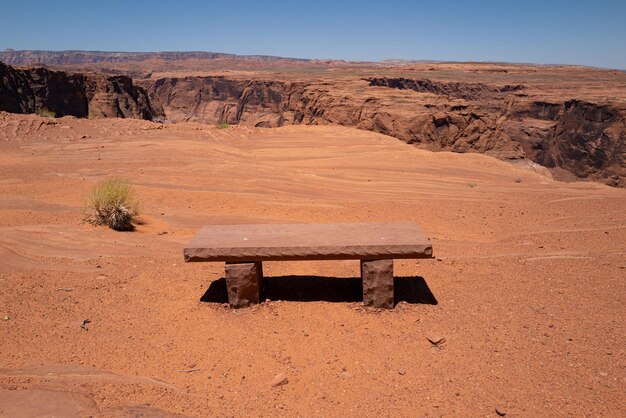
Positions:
{"x": 471, "y": 184}
{"x": 112, "y": 203}
{"x": 45, "y": 113}
{"x": 223, "y": 126}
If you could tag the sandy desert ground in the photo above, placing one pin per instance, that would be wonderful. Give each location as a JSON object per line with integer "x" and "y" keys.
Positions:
{"x": 527, "y": 286}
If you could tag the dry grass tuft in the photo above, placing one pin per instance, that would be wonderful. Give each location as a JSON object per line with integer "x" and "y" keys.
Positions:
{"x": 112, "y": 203}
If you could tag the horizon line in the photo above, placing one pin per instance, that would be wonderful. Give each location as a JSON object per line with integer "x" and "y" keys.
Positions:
{"x": 406, "y": 60}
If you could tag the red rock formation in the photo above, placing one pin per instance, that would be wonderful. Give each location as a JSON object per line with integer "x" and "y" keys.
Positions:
{"x": 555, "y": 117}
{"x": 82, "y": 95}
{"x": 583, "y": 138}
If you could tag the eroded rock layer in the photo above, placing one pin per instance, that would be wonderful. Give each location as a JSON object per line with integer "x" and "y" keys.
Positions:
{"x": 570, "y": 120}
{"x": 58, "y": 93}
{"x": 583, "y": 138}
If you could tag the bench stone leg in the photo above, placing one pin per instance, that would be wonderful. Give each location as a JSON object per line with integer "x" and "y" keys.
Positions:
{"x": 243, "y": 281}
{"x": 377, "y": 276}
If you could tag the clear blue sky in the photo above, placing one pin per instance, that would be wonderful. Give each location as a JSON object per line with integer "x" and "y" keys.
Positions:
{"x": 549, "y": 31}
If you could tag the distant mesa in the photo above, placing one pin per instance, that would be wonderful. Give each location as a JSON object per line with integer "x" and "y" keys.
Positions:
{"x": 35, "y": 57}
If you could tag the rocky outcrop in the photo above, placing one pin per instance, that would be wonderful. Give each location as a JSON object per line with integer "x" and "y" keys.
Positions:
{"x": 57, "y": 93}
{"x": 457, "y": 127}
{"x": 586, "y": 139}
{"x": 118, "y": 96}
{"x": 219, "y": 100}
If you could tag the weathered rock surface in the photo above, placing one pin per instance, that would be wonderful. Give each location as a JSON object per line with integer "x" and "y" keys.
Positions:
{"x": 467, "y": 91}
{"x": 58, "y": 93}
{"x": 584, "y": 138}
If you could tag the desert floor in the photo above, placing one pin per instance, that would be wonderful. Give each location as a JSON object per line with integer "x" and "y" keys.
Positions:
{"x": 527, "y": 286}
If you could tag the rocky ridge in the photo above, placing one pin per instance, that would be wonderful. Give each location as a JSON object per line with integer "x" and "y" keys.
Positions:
{"x": 34, "y": 57}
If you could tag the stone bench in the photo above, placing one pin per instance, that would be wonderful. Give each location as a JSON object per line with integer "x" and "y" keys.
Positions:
{"x": 244, "y": 247}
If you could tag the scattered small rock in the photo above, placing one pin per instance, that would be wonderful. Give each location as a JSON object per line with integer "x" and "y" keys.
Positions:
{"x": 6, "y": 318}
{"x": 189, "y": 370}
{"x": 436, "y": 340}
{"x": 279, "y": 380}
{"x": 401, "y": 371}
{"x": 500, "y": 411}
{"x": 84, "y": 326}
{"x": 162, "y": 233}
{"x": 347, "y": 374}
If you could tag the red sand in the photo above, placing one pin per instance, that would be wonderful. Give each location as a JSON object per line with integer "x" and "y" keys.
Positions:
{"x": 529, "y": 279}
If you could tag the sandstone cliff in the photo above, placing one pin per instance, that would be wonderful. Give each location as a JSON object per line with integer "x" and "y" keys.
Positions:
{"x": 568, "y": 119}
{"x": 586, "y": 139}
{"x": 583, "y": 138}
{"x": 58, "y": 93}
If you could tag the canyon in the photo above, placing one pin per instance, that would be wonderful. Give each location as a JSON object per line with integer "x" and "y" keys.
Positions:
{"x": 571, "y": 120}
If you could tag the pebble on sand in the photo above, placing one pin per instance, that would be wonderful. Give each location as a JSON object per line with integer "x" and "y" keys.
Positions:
{"x": 436, "y": 340}
{"x": 279, "y": 380}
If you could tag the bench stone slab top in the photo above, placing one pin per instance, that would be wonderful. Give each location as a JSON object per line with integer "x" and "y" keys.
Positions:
{"x": 284, "y": 242}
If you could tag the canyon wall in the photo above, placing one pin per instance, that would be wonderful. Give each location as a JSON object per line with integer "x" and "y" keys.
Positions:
{"x": 574, "y": 137}
{"x": 437, "y": 123}
{"x": 582, "y": 138}
{"x": 58, "y": 93}
{"x": 586, "y": 139}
